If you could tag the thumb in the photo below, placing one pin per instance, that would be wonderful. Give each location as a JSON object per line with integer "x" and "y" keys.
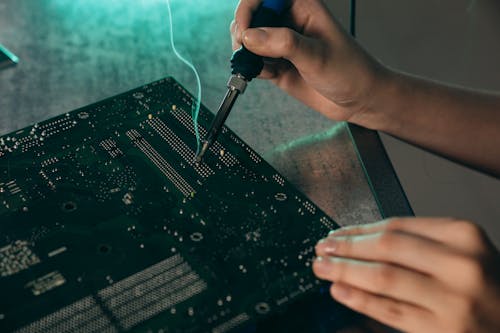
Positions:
{"x": 281, "y": 43}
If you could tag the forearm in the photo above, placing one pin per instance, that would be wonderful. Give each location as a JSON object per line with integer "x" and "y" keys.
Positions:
{"x": 459, "y": 124}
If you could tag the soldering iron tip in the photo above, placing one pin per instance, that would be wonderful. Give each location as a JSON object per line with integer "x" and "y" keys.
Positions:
{"x": 198, "y": 158}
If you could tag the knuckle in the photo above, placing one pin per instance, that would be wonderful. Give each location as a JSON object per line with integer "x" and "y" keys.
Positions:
{"x": 385, "y": 277}
{"x": 393, "y": 313}
{"x": 345, "y": 246}
{"x": 361, "y": 302}
{"x": 465, "y": 310}
{"x": 465, "y": 306}
{"x": 467, "y": 227}
{"x": 289, "y": 41}
{"x": 472, "y": 268}
{"x": 394, "y": 223}
{"x": 387, "y": 242}
{"x": 340, "y": 273}
{"x": 473, "y": 272}
{"x": 470, "y": 235}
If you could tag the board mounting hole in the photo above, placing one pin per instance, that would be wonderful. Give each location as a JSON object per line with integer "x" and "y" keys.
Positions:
{"x": 262, "y": 308}
{"x": 280, "y": 196}
{"x": 196, "y": 236}
{"x": 83, "y": 115}
{"x": 104, "y": 248}
{"x": 138, "y": 95}
{"x": 69, "y": 206}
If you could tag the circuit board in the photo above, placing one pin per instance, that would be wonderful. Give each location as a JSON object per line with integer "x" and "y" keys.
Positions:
{"x": 108, "y": 225}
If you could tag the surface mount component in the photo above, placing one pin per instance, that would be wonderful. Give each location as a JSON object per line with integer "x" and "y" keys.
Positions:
{"x": 108, "y": 225}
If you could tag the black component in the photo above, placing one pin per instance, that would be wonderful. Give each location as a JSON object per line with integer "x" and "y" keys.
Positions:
{"x": 245, "y": 67}
{"x": 245, "y": 62}
{"x": 218, "y": 122}
{"x": 222, "y": 114}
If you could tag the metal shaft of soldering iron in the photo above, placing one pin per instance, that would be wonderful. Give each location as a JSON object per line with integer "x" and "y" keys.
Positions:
{"x": 224, "y": 110}
{"x": 245, "y": 67}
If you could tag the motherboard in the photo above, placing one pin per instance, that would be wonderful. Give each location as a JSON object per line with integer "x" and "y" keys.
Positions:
{"x": 108, "y": 225}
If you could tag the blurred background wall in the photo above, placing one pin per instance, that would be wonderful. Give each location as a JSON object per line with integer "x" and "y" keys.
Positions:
{"x": 454, "y": 41}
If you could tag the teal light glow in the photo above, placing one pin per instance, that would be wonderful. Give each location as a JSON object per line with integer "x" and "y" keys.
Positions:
{"x": 329, "y": 135}
{"x": 195, "y": 110}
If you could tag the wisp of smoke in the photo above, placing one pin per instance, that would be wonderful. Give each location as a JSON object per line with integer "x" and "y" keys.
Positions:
{"x": 195, "y": 109}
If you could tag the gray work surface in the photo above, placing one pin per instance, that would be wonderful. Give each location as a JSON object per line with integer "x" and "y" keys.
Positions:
{"x": 73, "y": 53}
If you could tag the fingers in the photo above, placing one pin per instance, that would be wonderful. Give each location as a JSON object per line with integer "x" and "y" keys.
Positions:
{"x": 262, "y": 41}
{"x": 243, "y": 18}
{"x": 235, "y": 36}
{"x": 395, "y": 247}
{"x": 384, "y": 280}
{"x": 412, "y": 274}
{"x": 411, "y": 251}
{"x": 461, "y": 235}
{"x": 400, "y": 315}
{"x": 305, "y": 53}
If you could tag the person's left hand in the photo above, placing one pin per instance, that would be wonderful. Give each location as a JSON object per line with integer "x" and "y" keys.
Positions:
{"x": 415, "y": 274}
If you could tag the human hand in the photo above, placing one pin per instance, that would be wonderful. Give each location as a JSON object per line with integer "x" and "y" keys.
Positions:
{"x": 415, "y": 274}
{"x": 314, "y": 60}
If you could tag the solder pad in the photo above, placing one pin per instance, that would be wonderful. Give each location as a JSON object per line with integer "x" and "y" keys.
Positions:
{"x": 107, "y": 224}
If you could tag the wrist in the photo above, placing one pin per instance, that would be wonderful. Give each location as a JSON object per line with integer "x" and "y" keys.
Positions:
{"x": 376, "y": 112}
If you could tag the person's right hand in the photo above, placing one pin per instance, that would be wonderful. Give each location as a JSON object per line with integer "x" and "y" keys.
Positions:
{"x": 319, "y": 63}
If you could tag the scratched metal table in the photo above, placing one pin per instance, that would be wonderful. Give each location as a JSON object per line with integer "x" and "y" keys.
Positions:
{"x": 73, "y": 53}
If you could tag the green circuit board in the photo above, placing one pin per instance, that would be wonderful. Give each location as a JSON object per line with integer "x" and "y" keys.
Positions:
{"x": 107, "y": 224}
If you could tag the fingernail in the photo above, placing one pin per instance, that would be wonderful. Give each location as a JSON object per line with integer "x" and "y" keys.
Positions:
{"x": 331, "y": 246}
{"x": 341, "y": 292}
{"x": 255, "y": 36}
{"x": 237, "y": 30}
{"x": 327, "y": 245}
{"x": 321, "y": 266}
{"x": 331, "y": 232}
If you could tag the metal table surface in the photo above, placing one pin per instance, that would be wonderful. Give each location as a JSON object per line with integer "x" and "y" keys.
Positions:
{"x": 73, "y": 53}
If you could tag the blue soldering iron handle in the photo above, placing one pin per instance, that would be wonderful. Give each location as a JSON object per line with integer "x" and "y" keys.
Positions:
{"x": 246, "y": 63}
{"x": 276, "y": 5}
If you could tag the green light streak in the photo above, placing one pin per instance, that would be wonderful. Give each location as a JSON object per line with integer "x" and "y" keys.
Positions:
{"x": 195, "y": 110}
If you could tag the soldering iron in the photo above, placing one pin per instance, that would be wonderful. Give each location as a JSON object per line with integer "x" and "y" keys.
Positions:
{"x": 245, "y": 67}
